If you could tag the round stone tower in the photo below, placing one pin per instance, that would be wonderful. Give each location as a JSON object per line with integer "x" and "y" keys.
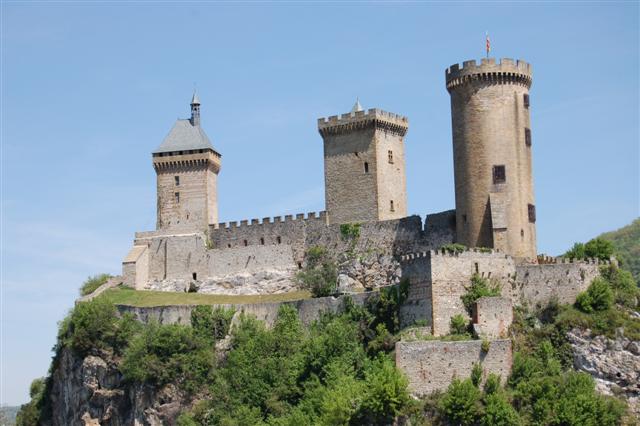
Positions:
{"x": 492, "y": 155}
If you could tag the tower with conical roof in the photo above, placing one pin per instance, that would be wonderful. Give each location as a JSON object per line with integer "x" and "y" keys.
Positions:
{"x": 364, "y": 169}
{"x": 187, "y": 169}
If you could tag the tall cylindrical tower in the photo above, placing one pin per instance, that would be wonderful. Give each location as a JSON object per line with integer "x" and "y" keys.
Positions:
{"x": 492, "y": 155}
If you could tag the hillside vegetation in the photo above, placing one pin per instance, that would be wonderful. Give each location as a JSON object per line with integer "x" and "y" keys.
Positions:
{"x": 626, "y": 242}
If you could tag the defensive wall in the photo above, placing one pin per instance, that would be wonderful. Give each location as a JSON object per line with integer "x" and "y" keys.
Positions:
{"x": 280, "y": 244}
{"x": 309, "y": 310}
{"x": 438, "y": 279}
{"x": 432, "y": 365}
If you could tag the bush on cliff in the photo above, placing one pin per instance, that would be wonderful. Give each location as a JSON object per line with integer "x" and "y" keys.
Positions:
{"x": 320, "y": 274}
{"x": 598, "y": 296}
{"x": 30, "y": 413}
{"x": 598, "y": 248}
{"x": 92, "y": 283}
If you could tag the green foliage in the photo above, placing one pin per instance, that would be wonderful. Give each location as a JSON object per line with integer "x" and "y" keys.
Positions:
{"x": 626, "y": 242}
{"x": 486, "y": 345}
{"x": 476, "y": 374}
{"x": 480, "y": 287}
{"x": 454, "y": 248}
{"x": 626, "y": 290}
{"x": 596, "y": 248}
{"x": 93, "y": 326}
{"x": 461, "y": 403}
{"x": 350, "y": 231}
{"x": 171, "y": 353}
{"x": 598, "y": 296}
{"x": 211, "y": 323}
{"x": 459, "y": 324}
{"x": 320, "y": 274}
{"x": 498, "y": 411}
{"x": 31, "y": 413}
{"x": 92, "y": 283}
{"x": 386, "y": 307}
{"x": 492, "y": 385}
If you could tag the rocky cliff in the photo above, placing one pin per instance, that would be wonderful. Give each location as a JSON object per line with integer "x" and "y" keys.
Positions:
{"x": 613, "y": 363}
{"x": 91, "y": 391}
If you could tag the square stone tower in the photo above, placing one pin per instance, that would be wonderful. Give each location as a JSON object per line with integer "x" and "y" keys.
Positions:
{"x": 187, "y": 169}
{"x": 364, "y": 169}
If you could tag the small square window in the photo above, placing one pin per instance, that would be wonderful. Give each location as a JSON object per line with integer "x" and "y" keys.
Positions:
{"x": 499, "y": 174}
{"x": 390, "y": 155}
{"x": 177, "y": 180}
{"x": 527, "y": 136}
{"x": 531, "y": 209}
{"x": 526, "y": 100}
{"x": 177, "y": 197}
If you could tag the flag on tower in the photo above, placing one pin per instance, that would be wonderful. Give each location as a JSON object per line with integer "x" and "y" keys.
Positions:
{"x": 488, "y": 44}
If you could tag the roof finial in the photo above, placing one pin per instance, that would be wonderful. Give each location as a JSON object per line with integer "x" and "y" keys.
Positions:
{"x": 357, "y": 107}
{"x": 195, "y": 109}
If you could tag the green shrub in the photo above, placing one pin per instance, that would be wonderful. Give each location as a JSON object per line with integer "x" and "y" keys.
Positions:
{"x": 476, "y": 374}
{"x": 320, "y": 274}
{"x": 93, "y": 326}
{"x": 598, "y": 297}
{"x": 596, "y": 248}
{"x": 458, "y": 324}
{"x": 492, "y": 385}
{"x": 486, "y": 345}
{"x": 480, "y": 287}
{"x": 498, "y": 411}
{"x": 171, "y": 353}
{"x": 92, "y": 283}
{"x": 211, "y": 323}
{"x": 30, "y": 414}
{"x": 454, "y": 248}
{"x": 461, "y": 403}
{"x": 350, "y": 231}
{"x": 624, "y": 286}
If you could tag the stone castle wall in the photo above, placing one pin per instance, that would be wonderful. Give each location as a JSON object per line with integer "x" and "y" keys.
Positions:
{"x": 492, "y": 317}
{"x": 431, "y": 365}
{"x": 309, "y": 310}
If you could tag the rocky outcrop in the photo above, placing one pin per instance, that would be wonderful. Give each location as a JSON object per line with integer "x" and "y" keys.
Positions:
{"x": 91, "y": 391}
{"x": 613, "y": 363}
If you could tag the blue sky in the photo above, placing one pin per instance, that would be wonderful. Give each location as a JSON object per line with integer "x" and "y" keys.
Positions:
{"x": 89, "y": 90}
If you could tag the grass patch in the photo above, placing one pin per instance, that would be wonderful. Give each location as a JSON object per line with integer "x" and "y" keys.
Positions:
{"x": 92, "y": 283}
{"x": 146, "y": 298}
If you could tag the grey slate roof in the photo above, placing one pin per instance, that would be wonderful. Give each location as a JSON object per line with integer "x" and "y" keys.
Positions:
{"x": 183, "y": 137}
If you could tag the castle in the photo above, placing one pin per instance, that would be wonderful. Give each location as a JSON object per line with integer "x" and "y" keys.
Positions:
{"x": 365, "y": 184}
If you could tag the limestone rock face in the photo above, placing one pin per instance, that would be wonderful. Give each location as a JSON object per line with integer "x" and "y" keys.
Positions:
{"x": 91, "y": 391}
{"x": 614, "y": 364}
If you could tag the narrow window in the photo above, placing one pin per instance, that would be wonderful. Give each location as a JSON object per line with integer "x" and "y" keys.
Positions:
{"x": 177, "y": 179}
{"x": 527, "y": 136}
{"x": 391, "y": 206}
{"x": 195, "y": 276}
{"x": 228, "y": 245}
{"x": 262, "y": 241}
{"x": 177, "y": 197}
{"x": 464, "y": 218}
{"x": 299, "y": 265}
{"x": 390, "y": 154}
{"x": 245, "y": 243}
{"x": 499, "y": 174}
{"x": 526, "y": 100}
{"x": 477, "y": 269}
{"x": 279, "y": 240}
{"x": 522, "y": 233}
{"x": 366, "y": 167}
{"x": 531, "y": 209}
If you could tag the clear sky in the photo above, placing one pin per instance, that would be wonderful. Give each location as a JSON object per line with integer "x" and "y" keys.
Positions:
{"x": 90, "y": 89}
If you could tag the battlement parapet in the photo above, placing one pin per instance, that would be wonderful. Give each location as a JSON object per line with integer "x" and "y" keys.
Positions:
{"x": 201, "y": 158}
{"x": 320, "y": 216}
{"x": 507, "y": 71}
{"x": 372, "y": 118}
{"x": 442, "y": 252}
{"x": 553, "y": 260}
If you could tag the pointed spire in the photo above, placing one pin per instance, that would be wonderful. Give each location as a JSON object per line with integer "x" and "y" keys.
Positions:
{"x": 357, "y": 107}
{"x": 195, "y": 109}
{"x": 194, "y": 99}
